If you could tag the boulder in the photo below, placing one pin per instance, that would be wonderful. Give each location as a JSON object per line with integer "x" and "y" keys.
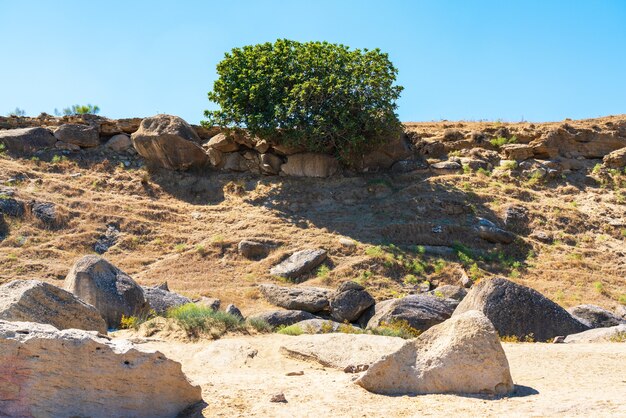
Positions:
{"x": 26, "y": 140}
{"x": 615, "y": 159}
{"x": 517, "y": 152}
{"x": 419, "y": 311}
{"x": 169, "y": 142}
{"x": 299, "y": 263}
{"x": 446, "y": 167}
{"x": 213, "y": 303}
{"x": 341, "y": 351}
{"x": 310, "y": 165}
{"x": 488, "y": 231}
{"x": 66, "y": 146}
{"x": 599, "y": 335}
{"x": 84, "y": 136}
{"x": 253, "y": 250}
{"x": 461, "y": 355}
{"x": 73, "y": 373}
{"x": 222, "y": 142}
{"x": 11, "y": 207}
{"x": 161, "y": 300}
{"x": 119, "y": 143}
{"x": 519, "y": 311}
{"x": 46, "y": 212}
{"x": 286, "y": 318}
{"x": 594, "y": 316}
{"x": 516, "y": 218}
{"x": 270, "y": 163}
{"x": 384, "y": 157}
{"x": 349, "y": 302}
{"x": 107, "y": 240}
{"x": 35, "y": 301}
{"x": 233, "y": 161}
{"x": 309, "y": 299}
{"x": 449, "y": 291}
{"x": 234, "y": 311}
{"x": 110, "y": 290}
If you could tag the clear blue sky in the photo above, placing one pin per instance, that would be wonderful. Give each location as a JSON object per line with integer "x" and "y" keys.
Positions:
{"x": 540, "y": 60}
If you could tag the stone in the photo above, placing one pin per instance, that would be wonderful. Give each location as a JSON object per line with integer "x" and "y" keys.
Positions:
{"x": 299, "y": 263}
{"x": 517, "y": 152}
{"x": 559, "y": 339}
{"x": 465, "y": 280}
{"x": 340, "y": 351}
{"x": 233, "y": 161}
{"x": 107, "y": 240}
{"x": 113, "y": 293}
{"x": 594, "y": 316}
{"x": 448, "y": 291}
{"x": 234, "y": 311}
{"x": 119, "y": 143}
{"x": 46, "y": 212}
{"x": 384, "y": 157}
{"x": 615, "y": 159}
{"x": 309, "y": 299}
{"x": 310, "y": 165}
{"x": 163, "y": 286}
{"x": 616, "y": 333}
{"x": 161, "y": 300}
{"x": 516, "y": 218}
{"x": 215, "y": 157}
{"x": 278, "y": 398}
{"x": 212, "y": 303}
{"x": 73, "y": 373}
{"x": 286, "y": 318}
{"x": 407, "y": 166}
{"x": 26, "y": 140}
{"x": 446, "y": 167}
{"x": 222, "y": 142}
{"x": 419, "y": 311}
{"x": 85, "y": 136}
{"x": 169, "y": 142}
{"x": 66, "y": 146}
{"x": 11, "y": 207}
{"x": 488, "y": 231}
{"x": 542, "y": 236}
{"x": 35, "y": 301}
{"x": 349, "y": 301}
{"x": 270, "y": 163}
{"x": 253, "y": 250}
{"x": 462, "y": 355}
{"x": 347, "y": 242}
{"x": 519, "y": 311}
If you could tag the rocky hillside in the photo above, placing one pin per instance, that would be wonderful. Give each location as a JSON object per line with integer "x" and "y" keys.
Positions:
{"x": 542, "y": 204}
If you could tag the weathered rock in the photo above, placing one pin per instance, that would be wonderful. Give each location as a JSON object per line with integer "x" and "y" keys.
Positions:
{"x": 445, "y": 167}
{"x": 310, "y": 165}
{"x": 11, "y": 207}
{"x": 461, "y": 355}
{"x": 516, "y": 218}
{"x": 340, "y": 351}
{"x": 169, "y": 142}
{"x": 349, "y": 302}
{"x": 233, "y": 161}
{"x": 517, "y": 152}
{"x": 161, "y": 300}
{"x": 419, "y": 311}
{"x": 215, "y": 157}
{"x": 407, "y": 166}
{"x": 270, "y": 163}
{"x": 396, "y": 149}
{"x": 107, "y": 240}
{"x": 488, "y": 231}
{"x": 448, "y": 291}
{"x": 278, "y": 318}
{"x": 110, "y": 290}
{"x": 119, "y": 143}
{"x": 299, "y": 263}
{"x": 46, "y": 212}
{"x": 615, "y": 159}
{"x": 26, "y": 140}
{"x": 594, "y": 316}
{"x": 519, "y": 311}
{"x": 234, "y": 311}
{"x": 212, "y": 303}
{"x": 616, "y": 333}
{"x": 35, "y": 301}
{"x": 253, "y": 250}
{"x": 309, "y": 299}
{"x": 222, "y": 142}
{"x": 50, "y": 373}
{"x": 85, "y": 136}
{"x": 66, "y": 146}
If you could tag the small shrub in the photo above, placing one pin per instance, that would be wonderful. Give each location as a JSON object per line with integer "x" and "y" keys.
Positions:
{"x": 323, "y": 271}
{"x": 217, "y": 240}
{"x": 439, "y": 265}
{"x": 530, "y": 338}
{"x": 509, "y": 165}
{"x": 81, "y": 110}
{"x": 499, "y": 141}
{"x": 201, "y": 249}
{"x": 467, "y": 169}
{"x": 620, "y": 337}
{"x": 259, "y": 325}
{"x": 396, "y": 328}
{"x": 179, "y": 248}
{"x": 622, "y": 299}
{"x": 293, "y": 330}
{"x": 58, "y": 159}
{"x": 599, "y": 287}
{"x": 17, "y": 112}
{"x": 195, "y": 320}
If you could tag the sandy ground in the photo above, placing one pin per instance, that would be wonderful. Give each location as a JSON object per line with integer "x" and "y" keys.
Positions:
{"x": 239, "y": 375}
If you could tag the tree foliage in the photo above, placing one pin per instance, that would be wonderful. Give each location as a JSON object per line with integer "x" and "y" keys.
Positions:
{"x": 81, "y": 110}
{"x": 318, "y": 95}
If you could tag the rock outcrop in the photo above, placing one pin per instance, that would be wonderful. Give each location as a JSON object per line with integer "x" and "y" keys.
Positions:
{"x": 309, "y": 299}
{"x": 110, "y": 290}
{"x": 519, "y": 311}
{"x": 310, "y": 165}
{"x": 84, "y": 136}
{"x": 448, "y": 291}
{"x": 299, "y": 263}
{"x": 599, "y": 335}
{"x": 615, "y": 159}
{"x": 50, "y": 373}
{"x": 161, "y": 300}
{"x": 27, "y": 140}
{"x": 461, "y": 355}
{"x": 286, "y": 318}
{"x": 253, "y": 250}
{"x": 595, "y": 317}
{"x": 419, "y": 311}
{"x": 35, "y": 301}
{"x": 349, "y": 301}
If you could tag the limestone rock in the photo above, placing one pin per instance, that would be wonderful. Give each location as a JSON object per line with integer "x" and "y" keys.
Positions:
{"x": 445, "y": 167}
{"x": 35, "y": 301}
{"x": 615, "y": 159}
{"x": 85, "y": 136}
{"x": 309, "y": 299}
{"x": 448, "y": 291}
{"x": 252, "y": 249}
{"x": 270, "y": 163}
{"x": 310, "y": 165}
{"x": 419, "y": 311}
{"x": 488, "y": 231}
{"x": 517, "y": 152}
{"x": 299, "y": 263}
{"x": 50, "y": 373}
{"x": 599, "y": 335}
{"x": 594, "y": 316}
{"x": 161, "y": 300}
{"x": 382, "y": 158}
{"x": 26, "y": 140}
{"x": 169, "y": 142}
{"x": 349, "y": 302}
{"x": 517, "y": 310}
{"x": 110, "y": 290}
{"x": 119, "y": 143}
{"x": 278, "y": 318}
{"x": 223, "y": 142}
{"x": 461, "y": 355}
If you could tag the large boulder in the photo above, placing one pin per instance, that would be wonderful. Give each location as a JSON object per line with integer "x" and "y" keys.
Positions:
{"x": 85, "y": 136}
{"x": 119, "y": 143}
{"x": 420, "y": 311}
{"x": 599, "y": 335}
{"x": 253, "y": 250}
{"x": 519, "y": 311}
{"x": 299, "y": 263}
{"x": 11, "y": 207}
{"x": 222, "y": 142}
{"x": 72, "y": 373}
{"x": 488, "y": 231}
{"x": 169, "y": 142}
{"x": 615, "y": 159}
{"x": 349, "y": 301}
{"x": 283, "y": 318}
{"x": 382, "y": 158}
{"x": 161, "y": 300}
{"x": 461, "y": 355}
{"x": 35, "y": 301}
{"x": 113, "y": 293}
{"x": 310, "y": 164}
{"x": 26, "y": 140}
{"x": 594, "y": 316}
{"x": 309, "y": 299}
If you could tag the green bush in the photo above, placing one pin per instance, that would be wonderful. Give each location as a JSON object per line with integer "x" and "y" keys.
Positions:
{"x": 316, "y": 95}
{"x": 293, "y": 330}
{"x": 259, "y": 325}
{"x": 196, "y": 319}
{"x": 81, "y": 110}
